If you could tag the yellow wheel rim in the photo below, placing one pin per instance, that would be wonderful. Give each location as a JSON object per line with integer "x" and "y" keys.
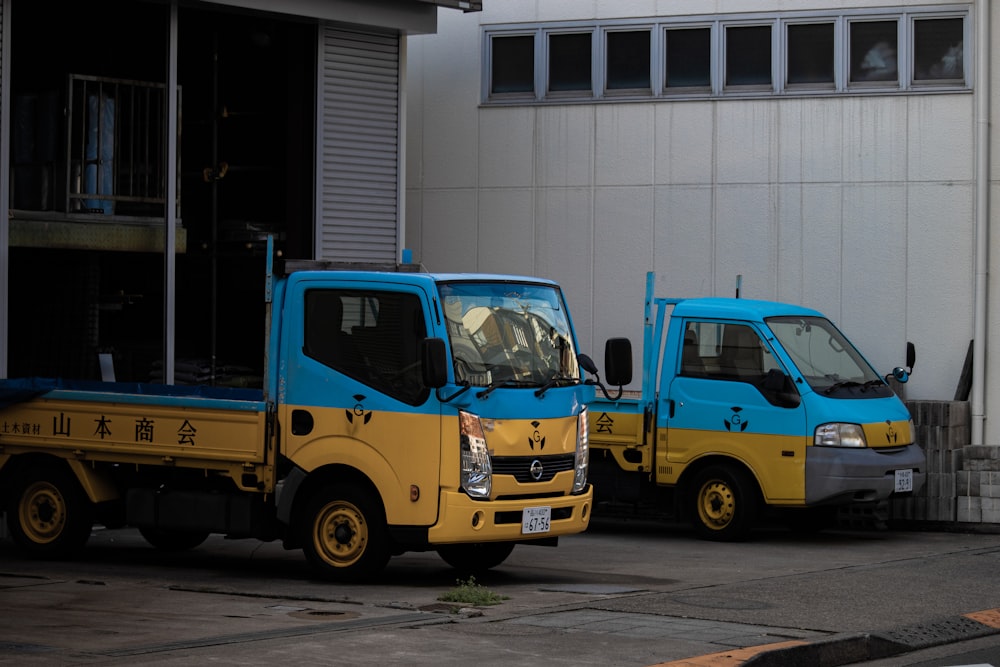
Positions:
{"x": 716, "y": 504}
{"x": 42, "y": 513}
{"x": 340, "y": 533}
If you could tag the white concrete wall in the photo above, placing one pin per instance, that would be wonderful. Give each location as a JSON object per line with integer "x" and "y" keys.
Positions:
{"x": 859, "y": 206}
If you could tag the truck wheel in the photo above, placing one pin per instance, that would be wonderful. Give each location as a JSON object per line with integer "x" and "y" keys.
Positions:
{"x": 168, "y": 539}
{"x": 345, "y": 536}
{"x": 477, "y": 557}
{"x": 725, "y": 504}
{"x": 52, "y": 516}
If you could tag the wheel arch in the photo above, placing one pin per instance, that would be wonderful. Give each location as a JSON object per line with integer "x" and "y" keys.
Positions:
{"x": 692, "y": 470}
{"x": 313, "y": 482}
{"x": 97, "y": 486}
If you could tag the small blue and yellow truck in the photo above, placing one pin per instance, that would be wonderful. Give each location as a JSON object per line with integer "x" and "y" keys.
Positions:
{"x": 400, "y": 410}
{"x": 747, "y": 405}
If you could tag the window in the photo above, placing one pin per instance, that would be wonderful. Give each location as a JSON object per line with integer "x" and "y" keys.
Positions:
{"x": 725, "y": 351}
{"x": 628, "y": 60}
{"x": 938, "y": 50}
{"x": 513, "y": 65}
{"x": 688, "y": 57}
{"x": 810, "y": 54}
{"x": 748, "y": 55}
{"x": 859, "y": 51}
{"x": 373, "y": 337}
{"x": 874, "y": 51}
{"x": 570, "y": 62}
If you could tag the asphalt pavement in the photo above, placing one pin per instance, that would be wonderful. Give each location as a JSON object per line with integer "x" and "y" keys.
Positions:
{"x": 624, "y": 593}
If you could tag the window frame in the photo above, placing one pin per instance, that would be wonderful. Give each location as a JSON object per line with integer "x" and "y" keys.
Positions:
{"x": 967, "y": 53}
{"x": 902, "y": 66}
{"x": 838, "y": 27}
{"x": 906, "y": 18}
{"x": 603, "y": 60}
{"x": 723, "y": 60}
{"x": 546, "y": 89}
{"x": 713, "y": 40}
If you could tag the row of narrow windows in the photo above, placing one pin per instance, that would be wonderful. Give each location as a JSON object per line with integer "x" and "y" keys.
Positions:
{"x": 911, "y": 50}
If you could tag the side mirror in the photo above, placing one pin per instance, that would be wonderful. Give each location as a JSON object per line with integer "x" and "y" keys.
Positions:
{"x": 434, "y": 355}
{"x": 586, "y": 363}
{"x": 618, "y": 361}
{"x": 779, "y": 389}
{"x": 901, "y": 374}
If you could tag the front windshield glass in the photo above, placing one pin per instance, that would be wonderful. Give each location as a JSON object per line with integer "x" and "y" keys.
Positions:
{"x": 826, "y": 359}
{"x": 510, "y": 333}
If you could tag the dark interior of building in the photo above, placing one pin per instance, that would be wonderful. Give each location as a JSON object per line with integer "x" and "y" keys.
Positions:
{"x": 88, "y": 185}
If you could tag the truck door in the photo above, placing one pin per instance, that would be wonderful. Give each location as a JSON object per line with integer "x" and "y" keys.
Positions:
{"x": 354, "y": 393}
{"x": 728, "y": 394}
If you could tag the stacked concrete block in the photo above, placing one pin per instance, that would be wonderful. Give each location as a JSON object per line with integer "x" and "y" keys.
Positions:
{"x": 977, "y": 484}
{"x": 942, "y": 429}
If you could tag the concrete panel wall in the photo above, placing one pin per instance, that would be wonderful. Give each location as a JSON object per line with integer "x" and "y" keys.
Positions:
{"x": 859, "y": 206}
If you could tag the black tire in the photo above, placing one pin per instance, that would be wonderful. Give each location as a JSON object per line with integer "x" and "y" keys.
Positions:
{"x": 168, "y": 539}
{"x": 51, "y": 517}
{"x": 477, "y": 557}
{"x": 345, "y": 537}
{"x": 724, "y": 503}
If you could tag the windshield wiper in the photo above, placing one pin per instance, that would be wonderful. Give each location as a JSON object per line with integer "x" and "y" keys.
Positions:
{"x": 508, "y": 382}
{"x": 556, "y": 380}
{"x": 841, "y": 385}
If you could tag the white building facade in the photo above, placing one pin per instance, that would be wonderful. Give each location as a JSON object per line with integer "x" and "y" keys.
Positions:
{"x": 836, "y": 155}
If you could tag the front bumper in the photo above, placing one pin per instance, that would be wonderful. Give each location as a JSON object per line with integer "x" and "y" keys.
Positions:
{"x": 463, "y": 519}
{"x": 836, "y": 475}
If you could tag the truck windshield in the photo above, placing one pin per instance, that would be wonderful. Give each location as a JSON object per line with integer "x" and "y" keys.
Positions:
{"x": 826, "y": 359}
{"x": 509, "y": 334}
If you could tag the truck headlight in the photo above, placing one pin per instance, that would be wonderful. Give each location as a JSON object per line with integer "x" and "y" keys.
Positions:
{"x": 477, "y": 467}
{"x": 836, "y": 434}
{"x": 582, "y": 452}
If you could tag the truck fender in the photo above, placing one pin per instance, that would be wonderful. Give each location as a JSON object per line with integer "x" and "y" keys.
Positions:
{"x": 321, "y": 454}
{"x": 97, "y": 486}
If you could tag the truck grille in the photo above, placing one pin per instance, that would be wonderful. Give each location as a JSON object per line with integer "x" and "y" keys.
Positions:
{"x": 519, "y": 467}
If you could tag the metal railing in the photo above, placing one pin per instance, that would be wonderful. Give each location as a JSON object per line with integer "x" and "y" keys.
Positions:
{"x": 116, "y": 147}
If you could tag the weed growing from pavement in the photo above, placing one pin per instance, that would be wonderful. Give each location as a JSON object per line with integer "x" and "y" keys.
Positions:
{"x": 469, "y": 592}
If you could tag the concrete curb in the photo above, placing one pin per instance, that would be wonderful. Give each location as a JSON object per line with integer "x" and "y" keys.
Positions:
{"x": 852, "y": 648}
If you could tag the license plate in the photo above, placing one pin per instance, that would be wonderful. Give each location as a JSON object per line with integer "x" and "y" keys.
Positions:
{"x": 536, "y": 520}
{"x": 904, "y": 480}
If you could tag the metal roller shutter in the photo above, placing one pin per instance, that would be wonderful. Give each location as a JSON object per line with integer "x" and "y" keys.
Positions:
{"x": 358, "y": 193}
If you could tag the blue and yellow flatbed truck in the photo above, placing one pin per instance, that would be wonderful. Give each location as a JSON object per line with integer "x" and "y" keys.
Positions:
{"x": 747, "y": 405}
{"x": 400, "y": 410}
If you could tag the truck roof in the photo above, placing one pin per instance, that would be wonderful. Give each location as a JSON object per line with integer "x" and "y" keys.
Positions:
{"x": 306, "y": 269}
{"x": 736, "y": 309}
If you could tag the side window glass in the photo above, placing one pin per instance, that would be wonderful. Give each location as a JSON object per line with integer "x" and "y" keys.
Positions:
{"x": 692, "y": 361}
{"x": 873, "y": 47}
{"x": 748, "y": 55}
{"x": 938, "y": 51}
{"x": 628, "y": 60}
{"x": 810, "y": 54}
{"x": 371, "y": 336}
{"x": 724, "y": 352}
{"x": 570, "y": 62}
{"x": 512, "y": 65}
{"x": 688, "y": 58}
